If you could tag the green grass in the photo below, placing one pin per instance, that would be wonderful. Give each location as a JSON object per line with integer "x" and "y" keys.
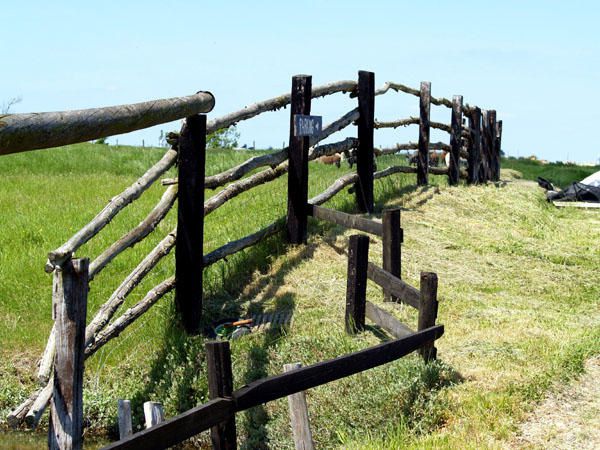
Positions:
{"x": 561, "y": 175}
{"x": 518, "y": 282}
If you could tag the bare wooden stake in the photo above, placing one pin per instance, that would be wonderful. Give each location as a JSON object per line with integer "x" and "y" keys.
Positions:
{"x": 455, "y": 140}
{"x": 486, "y": 151}
{"x": 423, "y": 152}
{"x": 428, "y": 309}
{"x": 153, "y": 413}
{"x": 69, "y": 301}
{"x": 190, "y": 222}
{"x": 364, "y": 162}
{"x": 494, "y": 153}
{"x": 474, "y": 146}
{"x": 299, "y": 416}
{"x": 392, "y": 245}
{"x": 356, "y": 288}
{"x": 124, "y": 418}
{"x": 298, "y": 163}
{"x": 220, "y": 384}
{"x": 498, "y": 145}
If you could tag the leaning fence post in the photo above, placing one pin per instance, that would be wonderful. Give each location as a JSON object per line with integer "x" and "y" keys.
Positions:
{"x": 364, "y": 160}
{"x": 455, "y": 140}
{"x": 428, "y": 309}
{"x": 298, "y": 159}
{"x": 190, "y": 222}
{"x": 220, "y": 384}
{"x": 423, "y": 152}
{"x": 356, "y": 288}
{"x": 69, "y": 303}
{"x": 392, "y": 245}
{"x": 299, "y": 416}
{"x": 474, "y": 146}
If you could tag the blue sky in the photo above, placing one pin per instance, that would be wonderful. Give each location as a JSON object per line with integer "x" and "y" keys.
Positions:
{"x": 536, "y": 63}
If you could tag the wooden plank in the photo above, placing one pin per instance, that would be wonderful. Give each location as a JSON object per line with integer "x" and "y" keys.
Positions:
{"x": 69, "y": 302}
{"x": 395, "y": 286}
{"x": 486, "y": 148}
{"x": 177, "y": 429}
{"x": 474, "y": 146}
{"x": 455, "y": 140}
{"x": 392, "y": 245}
{"x": 386, "y": 321}
{"x": 587, "y": 205}
{"x": 498, "y": 143}
{"x": 190, "y": 223}
{"x": 423, "y": 151}
{"x": 124, "y": 418}
{"x": 220, "y": 384}
{"x": 364, "y": 160}
{"x": 347, "y": 220}
{"x": 271, "y": 388}
{"x": 23, "y": 132}
{"x": 356, "y": 287}
{"x": 428, "y": 309}
{"x": 299, "y": 416}
{"x": 298, "y": 163}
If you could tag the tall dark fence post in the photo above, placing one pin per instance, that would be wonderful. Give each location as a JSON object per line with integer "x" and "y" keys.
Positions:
{"x": 69, "y": 302}
{"x": 423, "y": 152}
{"x": 356, "y": 288}
{"x": 298, "y": 169}
{"x": 392, "y": 245}
{"x": 474, "y": 146}
{"x": 190, "y": 222}
{"x": 486, "y": 147}
{"x": 498, "y": 145}
{"x": 428, "y": 309}
{"x": 494, "y": 155}
{"x": 364, "y": 160}
{"x": 455, "y": 140}
{"x": 220, "y": 384}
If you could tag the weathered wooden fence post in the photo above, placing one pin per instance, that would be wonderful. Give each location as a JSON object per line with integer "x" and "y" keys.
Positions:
{"x": 298, "y": 158}
{"x": 220, "y": 384}
{"x": 356, "y": 288}
{"x": 124, "y": 418}
{"x": 392, "y": 245}
{"x": 299, "y": 416}
{"x": 455, "y": 140}
{"x": 423, "y": 152}
{"x": 494, "y": 154}
{"x": 486, "y": 147}
{"x": 190, "y": 222}
{"x": 69, "y": 303}
{"x": 474, "y": 145}
{"x": 498, "y": 145}
{"x": 364, "y": 160}
{"x": 428, "y": 309}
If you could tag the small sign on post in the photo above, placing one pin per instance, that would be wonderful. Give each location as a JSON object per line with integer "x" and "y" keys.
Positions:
{"x": 305, "y": 125}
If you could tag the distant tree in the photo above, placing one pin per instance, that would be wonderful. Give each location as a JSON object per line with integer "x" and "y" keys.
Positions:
{"x": 9, "y": 104}
{"x": 223, "y": 138}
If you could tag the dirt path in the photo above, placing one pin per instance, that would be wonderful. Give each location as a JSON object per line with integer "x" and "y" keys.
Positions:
{"x": 569, "y": 418}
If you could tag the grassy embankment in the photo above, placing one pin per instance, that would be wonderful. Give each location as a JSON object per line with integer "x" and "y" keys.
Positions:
{"x": 518, "y": 287}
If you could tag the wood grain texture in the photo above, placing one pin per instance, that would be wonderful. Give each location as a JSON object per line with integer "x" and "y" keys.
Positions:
{"x": 23, "y": 132}
{"x": 392, "y": 241}
{"x": 386, "y": 321}
{"x": 347, "y": 220}
{"x": 428, "y": 310}
{"x": 423, "y": 151}
{"x": 473, "y": 169}
{"x": 403, "y": 291}
{"x": 455, "y": 140}
{"x": 364, "y": 157}
{"x": 356, "y": 287}
{"x": 69, "y": 301}
{"x": 299, "y": 416}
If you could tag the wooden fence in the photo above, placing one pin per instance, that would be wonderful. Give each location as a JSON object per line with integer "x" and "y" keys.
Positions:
{"x": 479, "y": 142}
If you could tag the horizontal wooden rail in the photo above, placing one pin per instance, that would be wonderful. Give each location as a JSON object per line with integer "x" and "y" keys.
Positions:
{"x": 386, "y": 321}
{"x": 31, "y": 131}
{"x": 395, "y": 286}
{"x": 179, "y": 428}
{"x": 346, "y": 220}
{"x": 272, "y": 388}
